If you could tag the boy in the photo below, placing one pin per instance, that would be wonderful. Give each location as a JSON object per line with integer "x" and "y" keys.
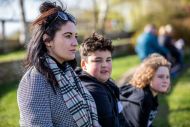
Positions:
{"x": 96, "y": 64}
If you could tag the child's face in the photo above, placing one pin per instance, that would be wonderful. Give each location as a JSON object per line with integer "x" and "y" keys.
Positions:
{"x": 98, "y": 64}
{"x": 161, "y": 81}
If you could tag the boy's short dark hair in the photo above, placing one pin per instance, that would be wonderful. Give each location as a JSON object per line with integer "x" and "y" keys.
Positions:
{"x": 95, "y": 42}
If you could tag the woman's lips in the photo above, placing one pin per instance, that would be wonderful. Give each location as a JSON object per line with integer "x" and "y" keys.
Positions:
{"x": 73, "y": 50}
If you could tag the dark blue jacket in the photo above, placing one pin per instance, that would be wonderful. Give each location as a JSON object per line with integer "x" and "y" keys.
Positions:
{"x": 106, "y": 96}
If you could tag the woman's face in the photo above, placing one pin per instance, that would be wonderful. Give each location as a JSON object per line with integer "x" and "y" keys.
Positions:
{"x": 64, "y": 44}
{"x": 161, "y": 81}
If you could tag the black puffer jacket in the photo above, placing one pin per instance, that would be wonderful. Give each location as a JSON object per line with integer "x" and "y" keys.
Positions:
{"x": 139, "y": 106}
{"x": 106, "y": 96}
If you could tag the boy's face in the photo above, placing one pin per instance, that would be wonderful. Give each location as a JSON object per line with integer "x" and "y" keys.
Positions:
{"x": 161, "y": 80}
{"x": 98, "y": 64}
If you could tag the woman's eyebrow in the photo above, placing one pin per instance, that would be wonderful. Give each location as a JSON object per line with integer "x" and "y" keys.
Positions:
{"x": 67, "y": 33}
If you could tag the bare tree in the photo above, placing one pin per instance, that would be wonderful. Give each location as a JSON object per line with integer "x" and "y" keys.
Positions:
{"x": 103, "y": 15}
{"x": 101, "y": 10}
{"x": 23, "y": 30}
{"x": 95, "y": 7}
{"x": 4, "y": 3}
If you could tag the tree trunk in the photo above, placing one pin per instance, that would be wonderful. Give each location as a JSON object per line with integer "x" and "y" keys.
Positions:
{"x": 103, "y": 15}
{"x": 95, "y": 7}
{"x": 23, "y": 28}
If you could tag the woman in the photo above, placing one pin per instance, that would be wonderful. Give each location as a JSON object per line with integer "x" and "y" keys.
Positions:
{"x": 139, "y": 97}
{"x": 50, "y": 94}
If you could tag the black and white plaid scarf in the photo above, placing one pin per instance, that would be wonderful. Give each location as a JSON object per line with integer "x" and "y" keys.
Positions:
{"x": 76, "y": 97}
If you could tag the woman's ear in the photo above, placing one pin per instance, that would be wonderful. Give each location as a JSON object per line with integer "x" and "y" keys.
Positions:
{"x": 46, "y": 40}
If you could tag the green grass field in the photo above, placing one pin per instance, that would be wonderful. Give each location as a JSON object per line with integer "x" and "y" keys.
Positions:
{"x": 17, "y": 55}
{"x": 174, "y": 108}
{"x": 9, "y": 114}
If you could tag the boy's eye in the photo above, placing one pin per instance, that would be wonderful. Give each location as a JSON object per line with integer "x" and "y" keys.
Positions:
{"x": 97, "y": 61}
{"x": 108, "y": 60}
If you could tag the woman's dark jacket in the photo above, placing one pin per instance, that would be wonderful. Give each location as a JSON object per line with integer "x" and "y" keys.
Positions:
{"x": 106, "y": 96}
{"x": 139, "y": 106}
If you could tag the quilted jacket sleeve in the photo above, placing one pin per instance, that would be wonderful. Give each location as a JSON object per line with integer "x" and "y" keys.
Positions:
{"x": 33, "y": 100}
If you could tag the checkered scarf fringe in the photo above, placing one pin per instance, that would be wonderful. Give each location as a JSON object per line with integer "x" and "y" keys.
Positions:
{"x": 76, "y": 97}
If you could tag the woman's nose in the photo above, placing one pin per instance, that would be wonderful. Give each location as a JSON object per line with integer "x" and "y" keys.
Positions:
{"x": 74, "y": 42}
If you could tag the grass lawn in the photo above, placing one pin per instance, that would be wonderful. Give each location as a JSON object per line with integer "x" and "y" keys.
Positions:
{"x": 179, "y": 102}
{"x": 9, "y": 114}
{"x": 174, "y": 108}
{"x": 17, "y": 55}
{"x": 122, "y": 64}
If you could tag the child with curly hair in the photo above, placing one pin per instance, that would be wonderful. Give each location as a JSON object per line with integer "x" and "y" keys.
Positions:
{"x": 139, "y": 97}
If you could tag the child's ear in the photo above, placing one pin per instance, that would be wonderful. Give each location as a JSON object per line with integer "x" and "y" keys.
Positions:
{"x": 83, "y": 64}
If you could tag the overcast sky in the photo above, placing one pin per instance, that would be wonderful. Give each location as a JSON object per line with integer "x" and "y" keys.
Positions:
{"x": 11, "y": 10}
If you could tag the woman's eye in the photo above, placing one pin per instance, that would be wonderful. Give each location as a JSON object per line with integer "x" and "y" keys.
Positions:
{"x": 68, "y": 36}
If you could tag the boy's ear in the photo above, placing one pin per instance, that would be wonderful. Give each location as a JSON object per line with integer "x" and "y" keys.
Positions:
{"x": 83, "y": 64}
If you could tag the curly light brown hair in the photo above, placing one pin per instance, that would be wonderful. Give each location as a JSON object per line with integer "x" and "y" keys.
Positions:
{"x": 95, "y": 42}
{"x": 147, "y": 69}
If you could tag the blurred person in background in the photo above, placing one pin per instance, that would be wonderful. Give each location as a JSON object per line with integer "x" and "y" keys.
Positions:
{"x": 147, "y": 43}
{"x": 166, "y": 40}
